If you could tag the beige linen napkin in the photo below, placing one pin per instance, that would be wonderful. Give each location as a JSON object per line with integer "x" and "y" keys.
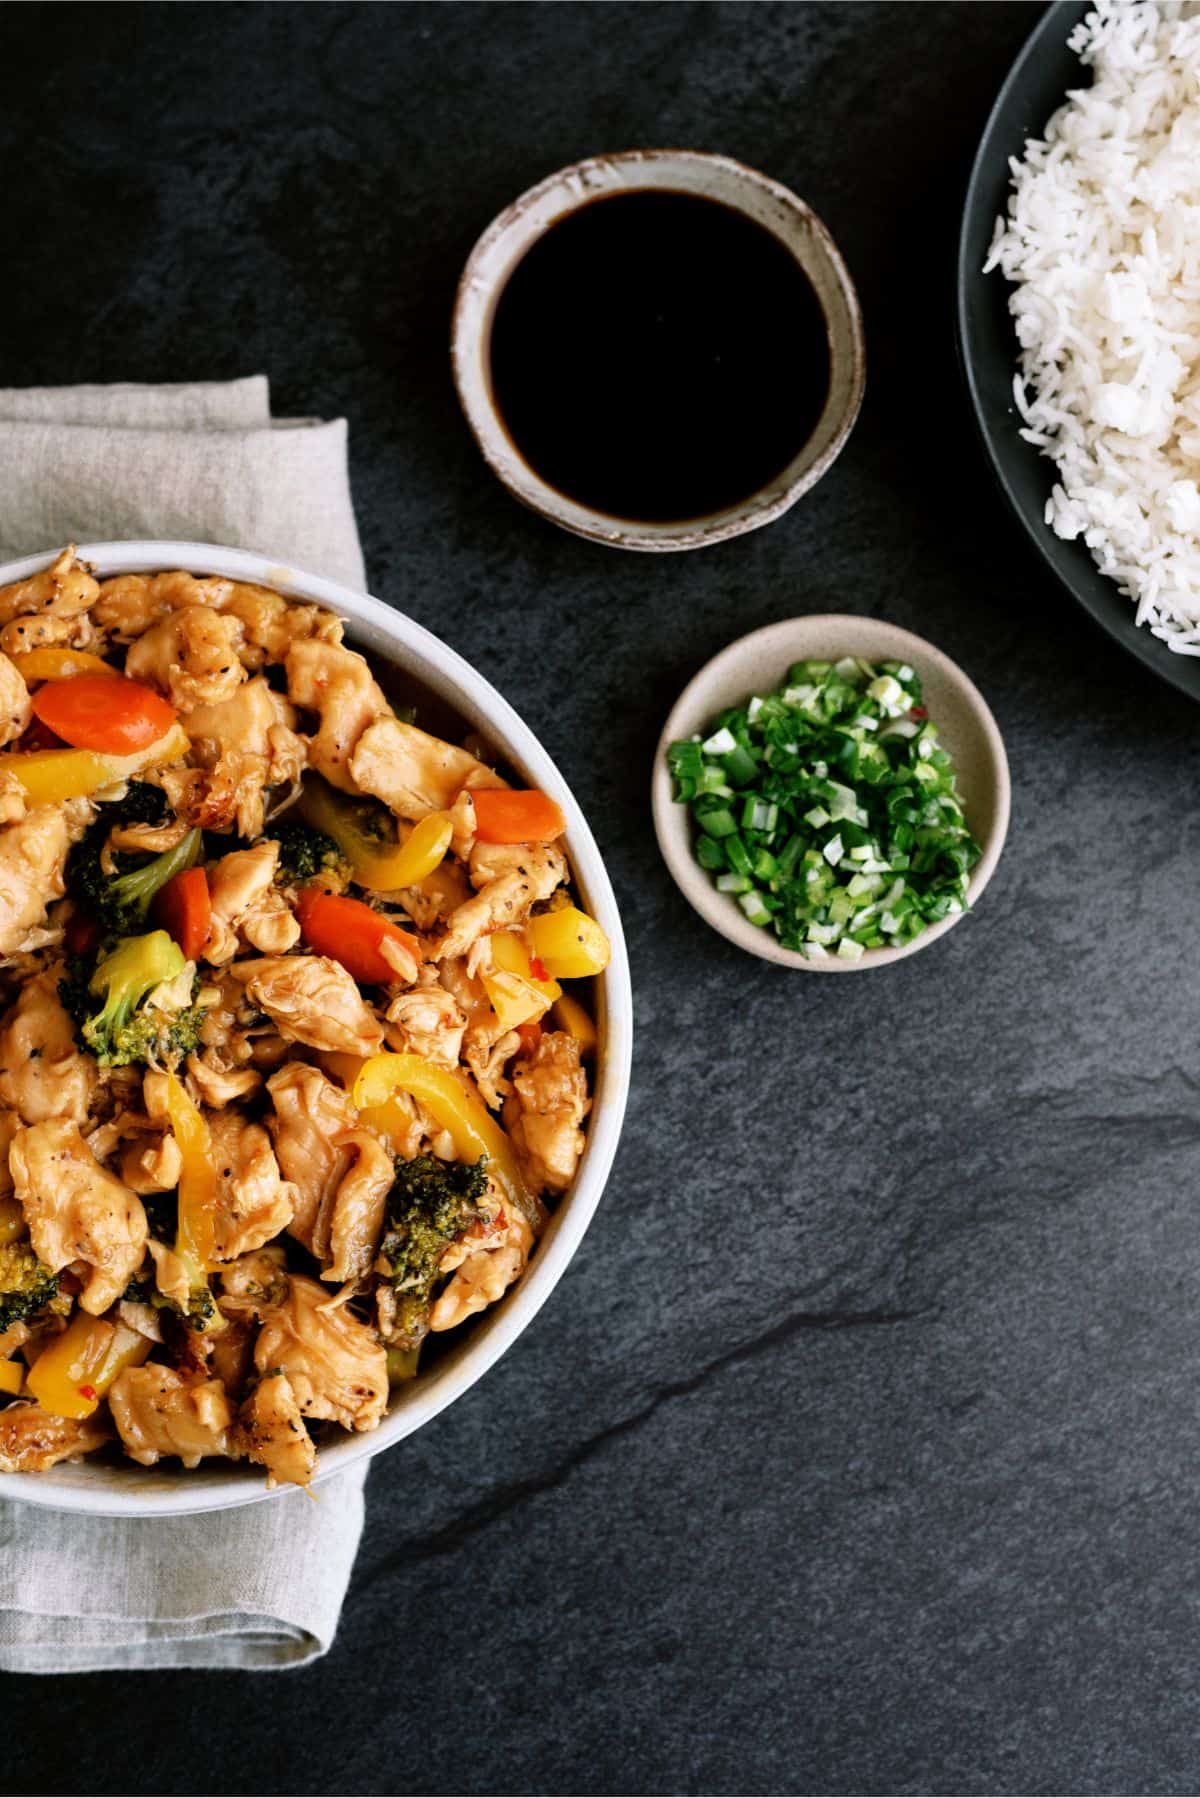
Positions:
{"x": 205, "y": 463}
{"x": 261, "y": 1586}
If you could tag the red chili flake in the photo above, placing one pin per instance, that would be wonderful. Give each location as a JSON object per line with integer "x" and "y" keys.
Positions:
{"x": 919, "y": 711}
{"x": 537, "y": 968}
{"x": 88, "y": 1392}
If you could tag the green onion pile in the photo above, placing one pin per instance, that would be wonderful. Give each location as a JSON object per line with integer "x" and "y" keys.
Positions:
{"x": 827, "y": 810}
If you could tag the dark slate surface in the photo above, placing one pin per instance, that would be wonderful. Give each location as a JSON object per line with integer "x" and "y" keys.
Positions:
{"x": 857, "y": 1452}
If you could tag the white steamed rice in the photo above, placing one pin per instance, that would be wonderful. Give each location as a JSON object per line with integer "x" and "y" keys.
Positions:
{"x": 1102, "y": 240}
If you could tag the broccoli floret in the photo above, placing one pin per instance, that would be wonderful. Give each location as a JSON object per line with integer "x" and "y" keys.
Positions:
{"x": 120, "y": 901}
{"x": 430, "y": 1204}
{"x": 25, "y": 1285}
{"x": 304, "y": 853}
{"x": 109, "y": 1007}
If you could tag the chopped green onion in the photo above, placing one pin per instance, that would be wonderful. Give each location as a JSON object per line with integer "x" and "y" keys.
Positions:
{"x": 740, "y": 766}
{"x": 854, "y": 830}
{"x": 738, "y": 855}
{"x": 752, "y": 904}
{"x": 720, "y": 743}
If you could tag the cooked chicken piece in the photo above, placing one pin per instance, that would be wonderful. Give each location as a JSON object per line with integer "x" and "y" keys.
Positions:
{"x": 312, "y": 1000}
{"x": 246, "y": 903}
{"x": 428, "y": 1020}
{"x": 274, "y": 1434}
{"x": 217, "y": 1085}
{"x": 511, "y": 879}
{"x": 412, "y": 772}
{"x": 64, "y": 590}
{"x": 143, "y": 1318}
{"x": 237, "y": 880}
{"x": 231, "y": 1354}
{"x": 253, "y": 1203}
{"x": 433, "y": 899}
{"x": 357, "y": 1212}
{"x": 13, "y": 803}
{"x": 151, "y": 1163}
{"x": 42, "y": 1073}
{"x": 243, "y": 746}
{"x": 487, "y": 1049}
{"x": 77, "y": 1211}
{"x": 462, "y": 819}
{"x": 484, "y": 1267}
{"x": 270, "y": 925}
{"x": 146, "y": 839}
{"x": 117, "y": 1128}
{"x": 543, "y": 1116}
{"x": 158, "y": 1412}
{"x": 15, "y": 711}
{"x": 170, "y": 1274}
{"x": 241, "y": 888}
{"x": 272, "y": 623}
{"x": 31, "y": 1441}
{"x": 468, "y": 991}
{"x": 313, "y": 1118}
{"x": 33, "y": 854}
{"x": 191, "y": 656}
{"x": 338, "y": 685}
{"x": 255, "y": 721}
{"x": 10, "y": 1123}
{"x": 130, "y": 603}
{"x": 336, "y": 1365}
{"x": 542, "y": 863}
{"x": 253, "y": 1285}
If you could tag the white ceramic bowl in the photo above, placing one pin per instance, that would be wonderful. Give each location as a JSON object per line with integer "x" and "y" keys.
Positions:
{"x": 124, "y": 1489}
{"x": 757, "y": 664}
{"x": 720, "y": 178}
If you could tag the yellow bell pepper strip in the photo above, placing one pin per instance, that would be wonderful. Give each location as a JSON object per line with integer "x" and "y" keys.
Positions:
{"x": 424, "y": 848}
{"x": 379, "y": 865}
{"x": 456, "y": 1107}
{"x": 195, "y": 1242}
{"x": 12, "y": 1222}
{"x": 72, "y": 1375}
{"x": 517, "y": 996}
{"x": 515, "y": 1000}
{"x": 569, "y": 1015}
{"x": 49, "y": 663}
{"x": 50, "y": 776}
{"x": 12, "y": 1377}
{"x": 510, "y": 951}
{"x": 568, "y": 943}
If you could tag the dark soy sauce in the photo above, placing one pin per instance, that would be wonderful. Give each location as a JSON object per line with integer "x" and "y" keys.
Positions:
{"x": 658, "y": 356}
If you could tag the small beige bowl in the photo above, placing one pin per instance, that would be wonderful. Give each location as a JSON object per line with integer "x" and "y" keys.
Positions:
{"x": 796, "y": 226}
{"x": 758, "y": 663}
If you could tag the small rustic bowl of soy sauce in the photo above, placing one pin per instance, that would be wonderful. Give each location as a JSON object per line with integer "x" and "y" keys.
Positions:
{"x": 658, "y": 349}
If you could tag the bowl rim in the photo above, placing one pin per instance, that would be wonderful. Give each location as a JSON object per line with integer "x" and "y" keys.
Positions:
{"x": 371, "y": 619}
{"x": 671, "y": 819}
{"x": 586, "y": 180}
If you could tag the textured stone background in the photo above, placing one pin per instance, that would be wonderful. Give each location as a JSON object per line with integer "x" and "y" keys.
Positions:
{"x": 857, "y": 1452}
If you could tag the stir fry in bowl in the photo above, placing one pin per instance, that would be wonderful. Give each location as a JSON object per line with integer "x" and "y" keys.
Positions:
{"x": 289, "y": 1076}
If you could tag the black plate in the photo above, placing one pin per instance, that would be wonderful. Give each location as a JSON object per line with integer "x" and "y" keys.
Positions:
{"x": 1037, "y": 85}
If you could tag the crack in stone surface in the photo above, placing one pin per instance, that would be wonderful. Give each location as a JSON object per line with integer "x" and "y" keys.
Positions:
{"x": 499, "y": 1503}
